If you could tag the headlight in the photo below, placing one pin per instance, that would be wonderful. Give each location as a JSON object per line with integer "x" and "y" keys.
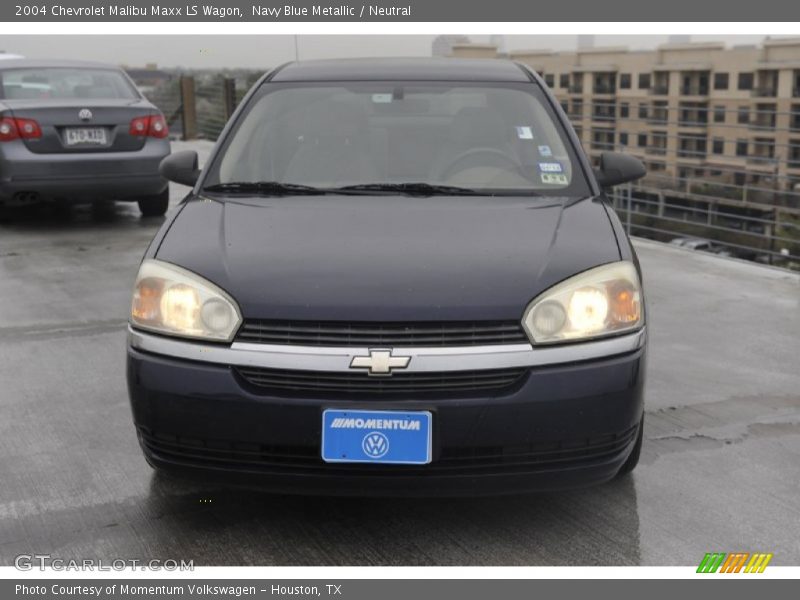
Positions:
{"x": 601, "y": 301}
{"x": 174, "y": 301}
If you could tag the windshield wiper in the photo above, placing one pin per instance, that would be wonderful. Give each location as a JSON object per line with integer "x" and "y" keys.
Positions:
{"x": 413, "y": 189}
{"x": 276, "y": 188}
{"x": 265, "y": 188}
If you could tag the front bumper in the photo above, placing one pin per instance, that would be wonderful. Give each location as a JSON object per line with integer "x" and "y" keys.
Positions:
{"x": 561, "y": 425}
{"x": 27, "y": 176}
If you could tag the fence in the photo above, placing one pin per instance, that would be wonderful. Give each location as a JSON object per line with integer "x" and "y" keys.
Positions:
{"x": 198, "y": 107}
{"x": 769, "y": 235}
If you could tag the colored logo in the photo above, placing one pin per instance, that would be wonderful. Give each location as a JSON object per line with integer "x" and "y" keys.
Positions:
{"x": 375, "y": 444}
{"x": 736, "y": 562}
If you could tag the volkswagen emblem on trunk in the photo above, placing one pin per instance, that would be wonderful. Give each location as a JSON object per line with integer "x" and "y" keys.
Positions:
{"x": 85, "y": 114}
{"x": 375, "y": 444}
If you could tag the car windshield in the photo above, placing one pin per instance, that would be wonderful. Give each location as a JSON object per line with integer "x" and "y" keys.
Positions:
{"x": 67, "y": 83}
{"x": 406, "y": 137}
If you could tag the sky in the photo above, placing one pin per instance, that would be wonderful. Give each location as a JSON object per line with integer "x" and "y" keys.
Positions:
{"x": 263, "y": 51}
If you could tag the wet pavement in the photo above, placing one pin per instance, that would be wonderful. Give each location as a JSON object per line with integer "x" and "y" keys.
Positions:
{"x": 720, "y": 467}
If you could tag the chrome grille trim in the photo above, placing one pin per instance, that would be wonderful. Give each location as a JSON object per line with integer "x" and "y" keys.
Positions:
{"x": 423, "y": 359}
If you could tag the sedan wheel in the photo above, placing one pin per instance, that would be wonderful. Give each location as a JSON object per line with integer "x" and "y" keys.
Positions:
{"x": 154, "y": 206}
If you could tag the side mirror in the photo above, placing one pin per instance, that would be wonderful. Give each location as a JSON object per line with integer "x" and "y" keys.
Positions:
{"x": 180, "y": 167}
{"x": 616, "y": 168}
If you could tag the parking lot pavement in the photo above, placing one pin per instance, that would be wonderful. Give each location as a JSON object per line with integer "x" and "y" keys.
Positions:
{"x": 720, "y": 468}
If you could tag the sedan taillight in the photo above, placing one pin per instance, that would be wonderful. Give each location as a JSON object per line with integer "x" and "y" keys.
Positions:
{"x": 151, "y": 126}
{"x": 13, "y": 128}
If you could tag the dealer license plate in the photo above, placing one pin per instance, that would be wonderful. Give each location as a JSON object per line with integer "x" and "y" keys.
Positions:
{"x": 376, "y": 436}
{"x": 95, "y": 136}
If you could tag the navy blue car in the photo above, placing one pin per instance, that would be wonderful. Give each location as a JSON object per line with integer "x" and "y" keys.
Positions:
{"x": 393, "y": 277}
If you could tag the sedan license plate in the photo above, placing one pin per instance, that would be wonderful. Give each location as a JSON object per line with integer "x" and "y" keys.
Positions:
{"x": 376, "y": 436}
{"x": 94, "y": 136}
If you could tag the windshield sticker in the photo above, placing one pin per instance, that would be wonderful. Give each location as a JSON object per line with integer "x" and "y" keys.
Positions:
{"x": 545, "y": 151}
{"x": 550, "y": 167}
{"x": 382, "y": 98}
{"x": 554, "y": 178}
{"x": 524, "y": 133}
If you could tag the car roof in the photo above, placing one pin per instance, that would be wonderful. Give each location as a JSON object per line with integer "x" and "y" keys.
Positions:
{"x": 29, "y": 63}
{"x": 402, "y": 69}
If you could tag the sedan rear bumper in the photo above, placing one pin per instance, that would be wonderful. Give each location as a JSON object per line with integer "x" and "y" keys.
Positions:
{"x": 26, "y": 176}
{"x": 559, "y": 426}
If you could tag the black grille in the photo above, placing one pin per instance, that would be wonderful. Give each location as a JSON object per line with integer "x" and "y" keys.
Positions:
{"x": 450, "y": 461}
{"x": 333, "y": 333}
{"x": 289, "y": 380}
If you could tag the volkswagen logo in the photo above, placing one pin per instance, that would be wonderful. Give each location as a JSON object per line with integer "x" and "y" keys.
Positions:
{"x": 375, "y": 444}
{"x": 85, "y": 114}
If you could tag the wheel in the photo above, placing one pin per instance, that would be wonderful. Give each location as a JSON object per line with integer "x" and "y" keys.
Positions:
{"x": 154, "y": 206}
{"x": 633, "y": 459}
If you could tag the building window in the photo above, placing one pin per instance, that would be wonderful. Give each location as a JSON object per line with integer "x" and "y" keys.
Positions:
{"x": 550, "y": 79}
{"x": 644, "y": 81}
{"x": 642, "y": 110}
{"x": 565, "y": 106}
{"x": 625, "y": 81}
{"x": 718, "y": 146}
{"x": 743, "y": 115}
{"x": 563, "y": 80}
{"x": 745, "y": 81}
{"x": 719, "y": 114}
{"x": 624, "y": 110}
{"x": 794, "y": 154}
{"x": 720, "y": 81}
{"x": 641, "y": 140}
{"x": 623, "y": 139}
{"x": 741, "y": 147}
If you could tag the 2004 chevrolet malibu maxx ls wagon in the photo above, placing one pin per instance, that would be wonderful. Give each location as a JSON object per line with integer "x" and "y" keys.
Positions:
{"x": 393, "y": 277}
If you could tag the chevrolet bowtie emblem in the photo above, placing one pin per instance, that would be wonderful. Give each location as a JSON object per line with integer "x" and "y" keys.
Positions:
{"x": 380, "y": 362}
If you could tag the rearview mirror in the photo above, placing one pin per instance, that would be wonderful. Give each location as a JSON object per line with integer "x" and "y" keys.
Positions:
{"x": 616, "y": 168}
{"x": 181, "y": 167}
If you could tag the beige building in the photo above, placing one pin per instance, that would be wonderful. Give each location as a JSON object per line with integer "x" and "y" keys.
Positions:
{"x": 697, "y": 110}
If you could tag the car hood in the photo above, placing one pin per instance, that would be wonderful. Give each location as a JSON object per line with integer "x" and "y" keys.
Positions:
{"x": 387, "y": 258}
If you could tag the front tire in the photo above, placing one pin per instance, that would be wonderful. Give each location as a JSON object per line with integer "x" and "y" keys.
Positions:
{"x": 154, "y": 206}
{"x": 633, "y": 459}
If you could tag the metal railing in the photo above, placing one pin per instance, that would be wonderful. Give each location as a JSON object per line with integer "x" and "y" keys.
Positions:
{"x": 198, "y": 105}
{"x": 648, "y": 212}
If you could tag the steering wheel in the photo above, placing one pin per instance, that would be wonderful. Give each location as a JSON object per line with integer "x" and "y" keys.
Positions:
{"x": 495, "y": 156}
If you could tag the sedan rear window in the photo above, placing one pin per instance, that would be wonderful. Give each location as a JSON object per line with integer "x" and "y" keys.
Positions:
{"x": 69, "y": 83}
{"x": 480, "y": 136}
